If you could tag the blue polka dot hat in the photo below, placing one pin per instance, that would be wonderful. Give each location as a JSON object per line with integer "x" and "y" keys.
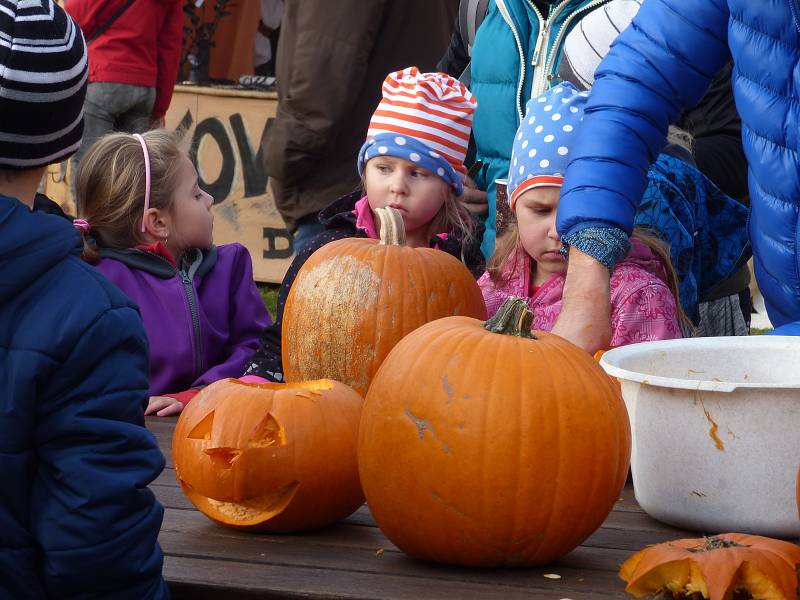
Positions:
{"x": 542, "y": 145}
{"x": 424, "y": 118}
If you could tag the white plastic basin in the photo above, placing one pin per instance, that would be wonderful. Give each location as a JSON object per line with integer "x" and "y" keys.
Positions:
{"x": 716, "y": 431}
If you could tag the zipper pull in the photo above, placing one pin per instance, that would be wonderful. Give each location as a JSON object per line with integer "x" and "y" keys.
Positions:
{"x": 540, "y": 43}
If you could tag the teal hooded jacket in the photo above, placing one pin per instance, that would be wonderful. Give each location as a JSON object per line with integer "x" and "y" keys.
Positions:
{"x": 516, "y": 55}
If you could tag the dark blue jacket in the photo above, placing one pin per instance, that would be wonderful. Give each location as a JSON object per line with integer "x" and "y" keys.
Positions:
{"x": 664, "y": 62}
{"x": 76, "y": 517}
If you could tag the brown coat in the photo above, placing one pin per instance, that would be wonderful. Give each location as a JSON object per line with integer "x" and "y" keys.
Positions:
{"x": 332, "y": 59}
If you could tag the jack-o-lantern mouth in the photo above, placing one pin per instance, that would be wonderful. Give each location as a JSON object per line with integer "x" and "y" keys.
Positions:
{"x": 250, "y": 511}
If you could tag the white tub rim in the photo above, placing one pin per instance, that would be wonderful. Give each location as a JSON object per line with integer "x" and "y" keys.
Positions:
{"x": 610, "y": 361}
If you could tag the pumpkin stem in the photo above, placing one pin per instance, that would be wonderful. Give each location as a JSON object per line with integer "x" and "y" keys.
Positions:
{"x": 393, "y": 230}
{"x": 513, "y": 318}
{"x": 714, "y": 542}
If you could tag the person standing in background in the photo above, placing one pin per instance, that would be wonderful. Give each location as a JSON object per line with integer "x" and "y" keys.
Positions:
{"x": 332, "y": 58}
{"x": 134, "y": 54}
{"x": 264, "y": 51}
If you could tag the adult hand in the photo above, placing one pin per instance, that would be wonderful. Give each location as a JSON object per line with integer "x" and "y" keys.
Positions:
{"x": 585, "y": 318}
{"x": 163, "y": 406}
{"x": 158, "y": 123}
{"x": 473, "y": 199}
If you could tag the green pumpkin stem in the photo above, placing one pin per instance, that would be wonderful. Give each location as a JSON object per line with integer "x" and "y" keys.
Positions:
{"x": 513, "y": 318}
{"x": 393, "y": 231}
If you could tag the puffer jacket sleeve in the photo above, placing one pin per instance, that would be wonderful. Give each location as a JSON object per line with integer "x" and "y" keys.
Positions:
{"x": 662, "y": 63}
{"x": 248, "y": 318}
{"x": 93, "y": 517}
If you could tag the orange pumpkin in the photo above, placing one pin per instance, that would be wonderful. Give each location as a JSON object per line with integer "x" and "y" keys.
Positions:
{"x": 354, "y": 299}
{"x": 482, "y": 445}
{"x": 270, "y": 457}
{"x": 716, "y": 567}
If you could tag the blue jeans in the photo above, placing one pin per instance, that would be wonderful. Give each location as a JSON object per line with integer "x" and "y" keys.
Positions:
{"x": 113, "y": 107}
{"x": 305, "y": 233}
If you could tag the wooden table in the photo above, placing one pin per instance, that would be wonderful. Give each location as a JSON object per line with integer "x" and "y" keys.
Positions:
{"x": 355, "y": 560}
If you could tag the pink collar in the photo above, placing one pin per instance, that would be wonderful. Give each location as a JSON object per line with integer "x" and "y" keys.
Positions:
{"x": 364, "y": 219}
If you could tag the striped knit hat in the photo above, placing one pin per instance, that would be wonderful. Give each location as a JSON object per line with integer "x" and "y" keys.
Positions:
{"x": 43, "y": 72}
{"x": 425, "y": 118}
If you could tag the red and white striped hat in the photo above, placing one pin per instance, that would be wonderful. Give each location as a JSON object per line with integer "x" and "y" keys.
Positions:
{"x": 434, "y": 108}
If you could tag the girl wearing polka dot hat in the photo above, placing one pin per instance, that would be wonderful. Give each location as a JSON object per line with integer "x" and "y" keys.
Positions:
{"x": 412, "y": 160}
{"x": 528, "y": 261}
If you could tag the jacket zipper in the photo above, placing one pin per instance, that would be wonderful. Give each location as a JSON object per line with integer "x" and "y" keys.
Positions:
{"x": 795, "y": 13}
{"x": 501, "y": 6}
{"x": 192, "y": 298}
{"x": 561, "y": 32}
{"x": 540, "y": 52}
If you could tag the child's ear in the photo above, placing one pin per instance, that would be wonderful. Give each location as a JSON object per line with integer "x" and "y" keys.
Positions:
{"x": 156, "y": 223}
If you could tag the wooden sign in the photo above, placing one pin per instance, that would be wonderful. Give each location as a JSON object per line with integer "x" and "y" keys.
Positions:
{"x": 224, "y": 130}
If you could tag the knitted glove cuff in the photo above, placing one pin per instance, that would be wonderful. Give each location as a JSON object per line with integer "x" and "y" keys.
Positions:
{"x": 605, "y": 243}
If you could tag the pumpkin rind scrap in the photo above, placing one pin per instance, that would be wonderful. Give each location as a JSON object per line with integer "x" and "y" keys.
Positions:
{"x": 483, "y": 449}
{"x": 354, "y": 299}
{"x": 716, "y": 567}
{"x": 270, "y": 457}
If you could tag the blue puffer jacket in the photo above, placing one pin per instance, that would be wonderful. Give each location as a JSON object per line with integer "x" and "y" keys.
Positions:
{"x": 517, "y": 52}
{"x": 664, "y": 62}
{"x": 76, "y": 517}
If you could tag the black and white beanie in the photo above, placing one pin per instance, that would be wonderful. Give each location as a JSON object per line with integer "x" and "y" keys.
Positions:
{"x": 43, "y": 73}
{"x": 588, "y": 42}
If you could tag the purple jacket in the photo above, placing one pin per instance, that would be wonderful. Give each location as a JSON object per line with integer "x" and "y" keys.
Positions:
{"x": 202, "y": 320}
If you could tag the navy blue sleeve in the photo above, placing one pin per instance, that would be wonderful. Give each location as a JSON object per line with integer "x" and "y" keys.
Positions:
{"x": 92, "y": 514}
{"x": 662, "y": 63}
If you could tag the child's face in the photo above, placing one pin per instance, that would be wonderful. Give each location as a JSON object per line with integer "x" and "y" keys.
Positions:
{"x": 536, "y": 219}
{"x": 416, "y": 192}
{"x": 191, "y": 220}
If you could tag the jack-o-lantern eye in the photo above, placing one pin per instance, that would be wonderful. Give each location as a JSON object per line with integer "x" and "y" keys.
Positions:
{"x": 267, "y": 432}
{"x": 202, "y": 431}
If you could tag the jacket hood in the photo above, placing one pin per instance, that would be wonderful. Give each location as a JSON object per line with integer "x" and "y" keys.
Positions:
{"x": 31, "y": 243}
{"x": 195, "y": 263}
{"x": 340, "y": 212}
{"x": 642, "y": 256}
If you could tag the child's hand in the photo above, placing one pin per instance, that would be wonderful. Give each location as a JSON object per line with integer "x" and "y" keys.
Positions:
{"x": 473, "y": 199}
{"x": 163, "y": 406}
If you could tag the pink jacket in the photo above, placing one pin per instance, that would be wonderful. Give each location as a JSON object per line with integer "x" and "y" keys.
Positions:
{"x": 642, "y": 307}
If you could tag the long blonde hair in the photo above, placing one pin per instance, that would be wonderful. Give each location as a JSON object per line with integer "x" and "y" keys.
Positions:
{"x": 452, "y": 218}
{"x": 508, "y": 248}
{"x": 111, "y": 186}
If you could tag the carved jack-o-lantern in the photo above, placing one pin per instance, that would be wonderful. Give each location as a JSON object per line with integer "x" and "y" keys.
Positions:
{"x": 270, "y": 457}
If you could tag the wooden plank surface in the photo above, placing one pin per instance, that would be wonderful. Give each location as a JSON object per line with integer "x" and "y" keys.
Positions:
{"x": 353, "y": 559}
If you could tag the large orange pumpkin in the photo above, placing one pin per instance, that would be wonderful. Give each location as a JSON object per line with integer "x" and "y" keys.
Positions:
{"x": 354, "y": 299}
{"x": 482, "y": 445}
{"x": 270, "y": 457}
{"x": 718, "y": 567}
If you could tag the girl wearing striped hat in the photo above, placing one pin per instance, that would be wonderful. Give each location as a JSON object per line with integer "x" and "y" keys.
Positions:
{"x": 412, "y": 160}
{"x": 528, "y": 261}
